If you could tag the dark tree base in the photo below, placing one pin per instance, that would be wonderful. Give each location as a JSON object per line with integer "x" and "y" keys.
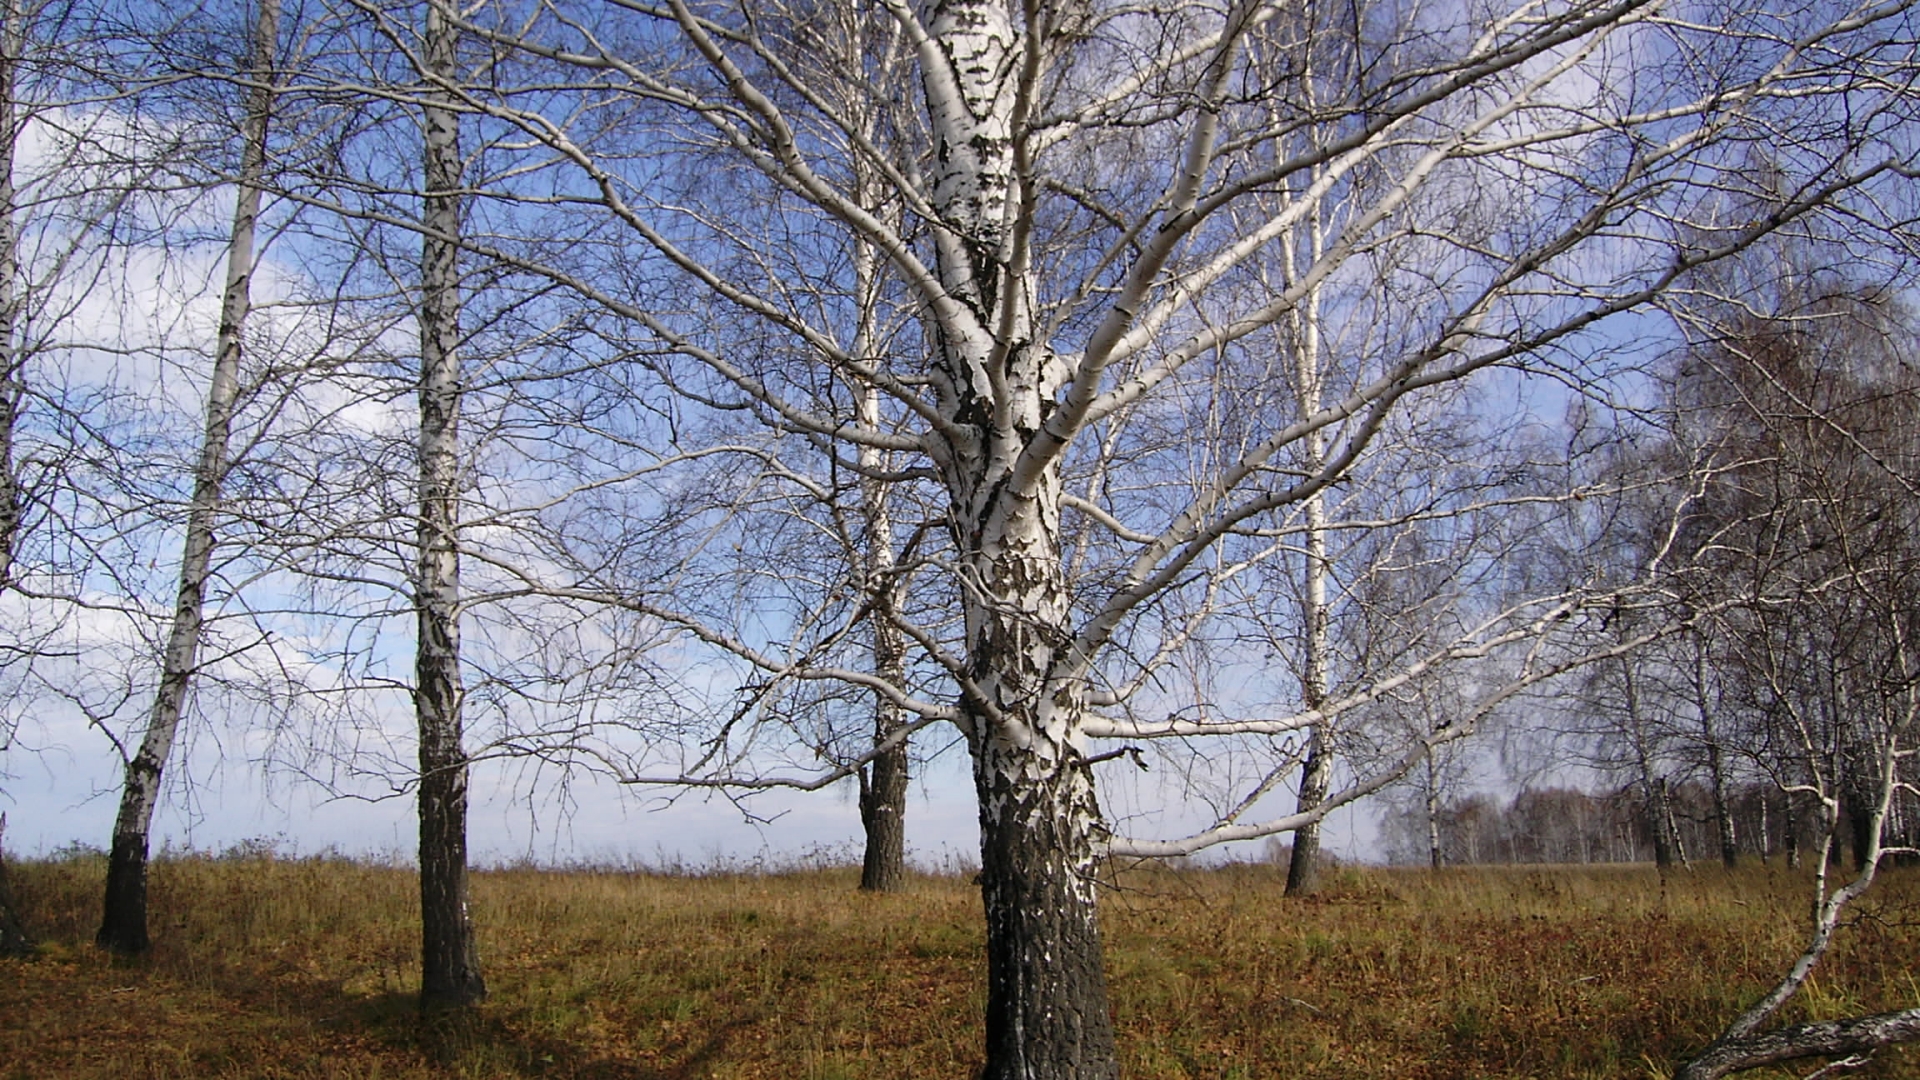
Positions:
{"x": 123, "y": 923}
{"x": 14, "y": 939}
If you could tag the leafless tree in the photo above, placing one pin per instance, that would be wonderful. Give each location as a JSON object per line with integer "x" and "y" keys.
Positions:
{"x": 1073, "y": 211}
{"x": 123, "y": 924}
{"x": 449, "y": 956}
{"x": 1806, "y": 375}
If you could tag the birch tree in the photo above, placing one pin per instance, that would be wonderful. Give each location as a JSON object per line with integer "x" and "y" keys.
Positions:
{"x": 11, "y": 392}
{"x": 450, "y": 960}
{"x": 1821, "y": 394}
{"x": 1072, "y": 211}
{"x": 123, "y": 924}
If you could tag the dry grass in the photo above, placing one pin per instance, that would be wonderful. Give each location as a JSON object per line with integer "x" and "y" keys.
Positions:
{"x": 303, "y": 968}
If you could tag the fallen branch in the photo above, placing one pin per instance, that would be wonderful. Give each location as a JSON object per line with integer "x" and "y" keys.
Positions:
{"x": 1824, "y": 1038}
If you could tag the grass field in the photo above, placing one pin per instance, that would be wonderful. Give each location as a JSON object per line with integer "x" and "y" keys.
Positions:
{"x": 270, "y": 967}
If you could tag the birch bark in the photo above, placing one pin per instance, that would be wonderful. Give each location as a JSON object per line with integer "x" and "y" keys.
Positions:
{"x": 12, "y": 383}
{"x": 1047, "y": 1007}
{"x": 883, "y": 787}
{"x": 450, "y": 965}
{"x": 123, "y": 923}
{"x": 1316, "y": 773}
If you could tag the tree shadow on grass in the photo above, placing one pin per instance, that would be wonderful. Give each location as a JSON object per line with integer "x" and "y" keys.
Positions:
{"x": 481, "y": 1037}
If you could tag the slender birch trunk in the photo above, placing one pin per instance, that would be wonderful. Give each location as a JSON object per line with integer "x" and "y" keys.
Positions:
{"x": 1766, "y": 830}
{"x": 1652, "y": 790}
{"x": 1716, "y": 761}
{"x": 884, "y": 782}
{"x": 883, "y": 785}
{"x": 449, "y": 960}
{"x": 1316, "y": 772}
{"x": 12, "y": 358}
{"x": 1793, "y": 825}
{"x": 1435, "y": 857}
{"x": 123, "y": 924}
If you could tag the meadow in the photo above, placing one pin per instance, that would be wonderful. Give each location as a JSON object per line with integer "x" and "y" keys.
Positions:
{"x": 282, "y": 967}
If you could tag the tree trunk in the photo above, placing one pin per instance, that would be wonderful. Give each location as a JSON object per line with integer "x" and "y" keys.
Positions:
{"x": 123, "y": 922}
{"x": 1791, "y": 823}
{"x": 14, "y": 939}
{"x": 1316, "y": 772}
{"x": 1047, "y": 1010}
{"x": 1716, "y": 763}
{"x": 1024, "y": 698}
{"x": 1678, "y": 841}
{"x": 1434, "y": 854}
{"x": 1853, "y": 1039}
{"x": 883, "y": 803}
{"x": 450, "y": 966}
{"x": 1766, "y": 830}
{"x": 12, "y": 357}
{"x": 1653, "y": 791}
{"x": 883, "y": 784}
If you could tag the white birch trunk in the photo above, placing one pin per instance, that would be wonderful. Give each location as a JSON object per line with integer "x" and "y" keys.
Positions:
{"x": 1716, "y": 760}
{"x": 883, "y": 784}
{"x": 1316, "y": 773}
{"x": 12, "y": 380}
{"x": 1047, "y": 1011}
{"x": 1436, "y": 857}
{"x": 450, "y": 967}
{"x": 1652, "y": 790}
{"x": 123, "y": 925}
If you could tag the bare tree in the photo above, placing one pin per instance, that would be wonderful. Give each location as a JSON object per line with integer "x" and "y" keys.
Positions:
{"x": 1806, "y": 376}
{"x": 123, "y": 924}
{"x": 449, "y": 957}
{"x": 1073, "y": 211}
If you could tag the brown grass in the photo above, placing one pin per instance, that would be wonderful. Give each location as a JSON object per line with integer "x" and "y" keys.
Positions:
{"x": 304, "y": 968}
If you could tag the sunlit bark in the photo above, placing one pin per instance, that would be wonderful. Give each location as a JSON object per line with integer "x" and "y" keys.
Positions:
{"x": 450, "y": 965}
{"x": 123, "y": 924}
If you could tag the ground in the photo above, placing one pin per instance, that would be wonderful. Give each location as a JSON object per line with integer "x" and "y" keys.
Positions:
{"x": 268, "y": 967}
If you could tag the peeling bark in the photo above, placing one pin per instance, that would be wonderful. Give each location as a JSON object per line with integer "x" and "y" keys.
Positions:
{"x": 1047, "y": 1010}
{"x": 123, "y": 922}
{"x": 450, "y": 966}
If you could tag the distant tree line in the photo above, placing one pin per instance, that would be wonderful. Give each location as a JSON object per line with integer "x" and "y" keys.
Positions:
{"x": 1569, "y": 825}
